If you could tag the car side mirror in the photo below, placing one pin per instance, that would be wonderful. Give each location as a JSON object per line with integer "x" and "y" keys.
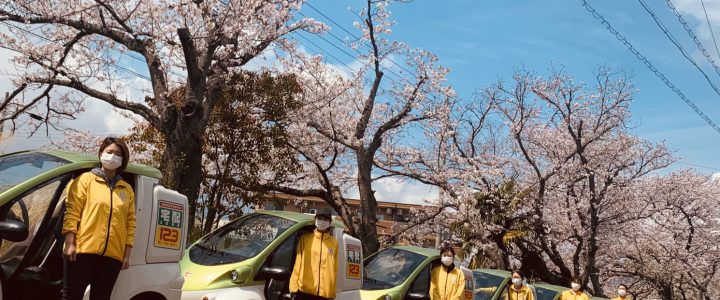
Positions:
{"x": 418, "y": 296}
{"x": 14, "y": 231}
{"x": 276, "y": 273}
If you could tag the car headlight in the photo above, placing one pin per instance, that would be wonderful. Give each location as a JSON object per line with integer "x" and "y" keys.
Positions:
{"x": 386, "y": 297}
{"x": 234, "y": 276}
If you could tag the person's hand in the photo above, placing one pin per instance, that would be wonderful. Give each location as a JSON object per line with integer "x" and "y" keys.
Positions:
{"x": 70, "y": 252}
{"x": 126, "y": 262}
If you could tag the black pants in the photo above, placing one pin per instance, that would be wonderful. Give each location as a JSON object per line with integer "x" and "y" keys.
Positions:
{"x": 99, "y": 272}
{"x": 303, "y": 296}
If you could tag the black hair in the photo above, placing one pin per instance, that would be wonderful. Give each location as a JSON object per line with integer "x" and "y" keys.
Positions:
{"x": 624, "y": 286}
{"x": 519, "y": 273}
{"x": 447, "y": 248}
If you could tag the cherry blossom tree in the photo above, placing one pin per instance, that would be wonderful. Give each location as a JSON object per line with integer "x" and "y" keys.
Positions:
{"x": 75, "y": 51}
{"x": 350, "y": 118}
{"x": 667, "y": 238}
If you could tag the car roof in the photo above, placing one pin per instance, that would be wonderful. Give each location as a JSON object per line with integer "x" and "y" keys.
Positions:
{"x": 551, "y": 287}
{"x": 496, "y": 272}
{"x": 298, "y": 217}
{"x": 428, "y": 252}
{"x": 86, "y": 161}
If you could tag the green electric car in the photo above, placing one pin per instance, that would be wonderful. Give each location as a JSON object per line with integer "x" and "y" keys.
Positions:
{"x": 489, "y": 283}
{"x": 32, "y": 193}
{"x": 403, "y": 273}
{"x": 251, "y": 258}
{"x": 548, "y": 291}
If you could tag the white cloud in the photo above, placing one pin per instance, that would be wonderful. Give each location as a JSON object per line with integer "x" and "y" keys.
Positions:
{"x": 395, "y": 190}
{"x": 692, "y": 10}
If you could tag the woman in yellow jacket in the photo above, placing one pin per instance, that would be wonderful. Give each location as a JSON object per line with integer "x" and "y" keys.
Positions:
{"x": 446, "y": 281}
{"x": 316, "y": 262}
{"x": 575, "y": 293}
{"x": 517, "y": 289}
{"x": 99, "y": 224}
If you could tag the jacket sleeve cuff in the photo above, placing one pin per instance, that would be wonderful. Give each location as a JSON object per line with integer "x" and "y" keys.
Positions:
{"x": 66, "y": 230}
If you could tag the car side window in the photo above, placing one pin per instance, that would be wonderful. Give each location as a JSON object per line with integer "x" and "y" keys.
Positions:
{"x": 285, "y": 253}
{"x": 282, "y": 256}
{"x": 421, "y": 284}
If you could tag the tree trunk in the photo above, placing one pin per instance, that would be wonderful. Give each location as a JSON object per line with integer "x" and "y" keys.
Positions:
{"x": 666, "y": 292}
{"x": 182, "y": 159}
{"x": 368, "y": 205}
{"x": 213, "y": 206}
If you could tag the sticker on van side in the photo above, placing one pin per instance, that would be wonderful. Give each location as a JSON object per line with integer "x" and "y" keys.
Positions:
{"x": 168, "y": 232}
{"x": 353, "y": 261}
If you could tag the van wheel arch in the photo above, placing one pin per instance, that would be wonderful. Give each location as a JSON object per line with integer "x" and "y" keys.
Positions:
{"x": 149, "y": 296}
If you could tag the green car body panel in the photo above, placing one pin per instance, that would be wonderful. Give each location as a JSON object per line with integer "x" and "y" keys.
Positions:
{"x": 398, "y": 291}
{"x": 199, "y": 277}
{"x": 499, "y": 273}
{"x": 555, "y": 288}
{"x": 75, "y": 162}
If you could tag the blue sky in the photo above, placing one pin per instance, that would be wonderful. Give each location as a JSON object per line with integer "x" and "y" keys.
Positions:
{"x": 482, "y": 41}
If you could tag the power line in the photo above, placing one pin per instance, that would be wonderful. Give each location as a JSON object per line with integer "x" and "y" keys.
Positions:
{"x": 709, "y": 27}
{"x": 698, "y": 166}
{"x": 694, "y": 37}
{"x": 353, "y": 35}
{"x": 323, "y": 50}
{"x": 650, "y": 66}
{"x": 677, "y": 45}
{"x": 399, "y": 78}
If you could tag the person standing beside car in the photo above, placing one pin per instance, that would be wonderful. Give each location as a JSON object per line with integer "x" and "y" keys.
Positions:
{"x": 446, "y": 281}
{"x": 99, "y": 224}
{"x": 316, "y": 262}
{"x": 518, "y": 290}
{"x": 575, "y": 293}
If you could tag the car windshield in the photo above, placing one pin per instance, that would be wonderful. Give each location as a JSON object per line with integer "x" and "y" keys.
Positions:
{"x": 239, "y": 240}
{"x": 545, "y": 294}
{"x": 486, "y": 285}
{"x": 390, "y": 268}
{"x": 17, "y": 168}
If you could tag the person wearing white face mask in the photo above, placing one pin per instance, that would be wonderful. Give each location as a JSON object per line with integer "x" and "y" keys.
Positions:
{"x": 99, "y": 224}
{"x": 517, "y": 289}
{"x": 446, "y": 281}
{"x": 622, "y": 293}
{"x": 316, "y": 262}
{"x": 576, "y": 292}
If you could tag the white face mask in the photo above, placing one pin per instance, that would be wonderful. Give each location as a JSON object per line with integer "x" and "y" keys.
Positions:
{"x": 517, "y": 281}
{"x": 322, "y": 225}
{"x": 575, "y": 286}
{"x": 447, "y": 260}
{"x": 622, "y": 292}
{"x": 111, "y": 161}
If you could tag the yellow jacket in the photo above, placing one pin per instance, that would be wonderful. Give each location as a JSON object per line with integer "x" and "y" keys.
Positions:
{"x": 446, "y": 285}
{"x": 523, "y": 293}
{"x": 621, "y": 298}
{"x": 316, "y": 265}
{"x": 99, "y": 229}
{"x": 570, "y": 295}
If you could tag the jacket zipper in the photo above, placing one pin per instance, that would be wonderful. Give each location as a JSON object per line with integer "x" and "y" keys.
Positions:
{"x": 447, "y": 274}
{"x": 107, "y": 236}
{"x": 320, "y": 263}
